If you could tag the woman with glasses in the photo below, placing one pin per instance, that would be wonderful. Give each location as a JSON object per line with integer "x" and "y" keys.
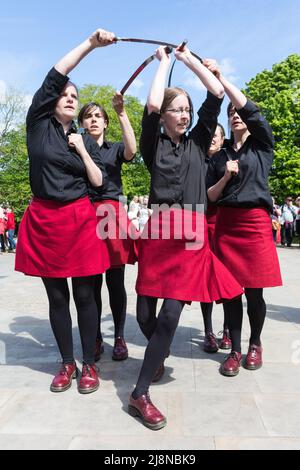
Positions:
{"x": 175, "y": 262}
{"x": 57, "y": 236}
{"x": 108, "y": 205}
{"x": 237, "y": 180}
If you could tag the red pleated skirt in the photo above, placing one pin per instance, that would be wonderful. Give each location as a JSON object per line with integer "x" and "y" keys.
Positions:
{"x": 119, "y": 234}
{"x": 60, "y": 240}
{"x": 175, "y": 261}
{"x": 243, "y": 241}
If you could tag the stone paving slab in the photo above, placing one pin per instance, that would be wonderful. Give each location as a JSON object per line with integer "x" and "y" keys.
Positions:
{"x": 255, "y": 410}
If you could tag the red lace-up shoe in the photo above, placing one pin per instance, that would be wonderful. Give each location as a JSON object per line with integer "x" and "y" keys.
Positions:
{"x": 99, "y": 349}
{"x": 120, "y": 351}
{"x": 253, "y": 359}
{"x": 225, "y": 341}
{"x": 63, "y": 380}
{"x": 231, "y": 365}
{"x": 144, "y": 409}
{"x": 210, "y": 344}
{"x": 89, "y": 381}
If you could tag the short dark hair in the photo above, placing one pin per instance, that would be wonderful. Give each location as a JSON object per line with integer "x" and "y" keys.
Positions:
{"x": 87, "y": 108}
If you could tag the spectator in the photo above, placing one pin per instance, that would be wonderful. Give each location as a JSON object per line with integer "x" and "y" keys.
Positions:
{"x": 10, "y": 227}
{"x": 289, "y": 212}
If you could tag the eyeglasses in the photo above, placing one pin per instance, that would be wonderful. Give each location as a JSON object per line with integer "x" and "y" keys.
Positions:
{"x": 179, "y": 110}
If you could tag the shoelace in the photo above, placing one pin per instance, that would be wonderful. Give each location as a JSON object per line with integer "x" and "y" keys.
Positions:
{"x": 86, "y": 370}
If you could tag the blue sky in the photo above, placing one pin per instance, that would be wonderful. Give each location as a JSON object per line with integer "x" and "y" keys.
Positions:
{"x": 244, "y": 36}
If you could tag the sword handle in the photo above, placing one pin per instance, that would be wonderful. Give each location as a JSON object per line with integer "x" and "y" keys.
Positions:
{"x": 182, "y": 45}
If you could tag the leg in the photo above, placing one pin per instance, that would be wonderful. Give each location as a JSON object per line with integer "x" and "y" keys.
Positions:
{"x": 140, "y": 403}
{"x": 256, "y": 309}
{"x": 234, "y": 315}
{"x": 83, "y": 293}
{"x": 225, "y": 341}
{"x": 117, "y": 298}
{"x": 146, "y": 314}
{"x": 60, "y": 318}
{"x": 206, "y": 309}
{"x": 159, "y": 344}
{"x": 210, "y": 341}
{"x": 97, "y": 292}
{"x": 61, "y": 323}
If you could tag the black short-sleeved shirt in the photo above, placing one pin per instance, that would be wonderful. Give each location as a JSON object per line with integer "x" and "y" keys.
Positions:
{"x": 250, "y": 187}
{"x": 112, "y": 156}
{"x": 178, "y": 171}
{"x": 56, "y": 171}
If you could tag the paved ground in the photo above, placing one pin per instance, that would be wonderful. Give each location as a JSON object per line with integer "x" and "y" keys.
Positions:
{"x": 255, "y": 410}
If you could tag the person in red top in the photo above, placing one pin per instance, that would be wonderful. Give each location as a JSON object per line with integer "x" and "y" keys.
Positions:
{"x": 10, "y": 227}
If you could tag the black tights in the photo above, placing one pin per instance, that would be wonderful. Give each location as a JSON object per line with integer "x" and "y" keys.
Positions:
{"x": 59, "y": 311}
{"x": 256, "y": 309}
{"x": 159, "y": 332}
{"x": 117, "y": 299}
{"x": 206, "y": 309}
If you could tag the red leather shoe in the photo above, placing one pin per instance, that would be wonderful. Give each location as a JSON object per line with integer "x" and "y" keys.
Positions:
{"x": 99, "y": 349}
{"x": 210, "y": 343}
{"x": 89, "y": 381}
{"x": 143, "y": 408}
{"x": 120, "y": 351}
{"x": 225, "y": 341}
{"x": 63, "y": 380}
{"x": 253, "y": 359}
{"x": 159, "y": 373}
{"x": 231, "y": 365}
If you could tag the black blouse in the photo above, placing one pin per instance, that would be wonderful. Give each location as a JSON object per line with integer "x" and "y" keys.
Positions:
{"x": 178, "y": 171}
{"x": 112, "y": 156}
{"x": 249, "y": 188}
{"x": 57, "y": 172}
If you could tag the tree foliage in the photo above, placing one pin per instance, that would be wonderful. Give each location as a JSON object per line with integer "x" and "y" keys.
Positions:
{"x": 277, "y": 92}
{"x": 14, "y": 171}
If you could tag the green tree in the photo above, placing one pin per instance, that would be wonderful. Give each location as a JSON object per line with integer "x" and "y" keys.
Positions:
{"x": 14, "y": 171}
{"x": 135, "y": 176}
{"x": 277, "y": 92}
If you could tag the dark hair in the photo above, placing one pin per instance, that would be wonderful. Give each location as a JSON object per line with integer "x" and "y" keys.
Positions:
{"x": 87, "y": 108}
{"x": 231, "y": 106}
{"x": 222, "y": 129}
{"x": 170, "y": 95}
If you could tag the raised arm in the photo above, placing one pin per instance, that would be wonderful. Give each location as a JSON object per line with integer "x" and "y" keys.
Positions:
{"x": 203, "y": 73}
{"x": 126, "y": 127}
{"x": 257, "y": 125}
{"x": 157, "y": 90}
{"x": 99, "y": 38}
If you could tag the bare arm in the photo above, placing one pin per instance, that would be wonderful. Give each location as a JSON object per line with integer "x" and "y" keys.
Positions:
{"x": 99, "y": 38}
{"x": 157, "y": 90}
{"x": 203, "y": 73}
{"x": 126, "y": 127}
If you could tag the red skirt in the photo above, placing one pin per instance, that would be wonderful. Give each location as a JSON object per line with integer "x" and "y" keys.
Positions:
{"x": 60, "y": 240}
{"x": 243, "y": 241}
{"x": 175, "y": 261}
{"x": 118, "y": 232}
{"x": 211, "y": 217}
